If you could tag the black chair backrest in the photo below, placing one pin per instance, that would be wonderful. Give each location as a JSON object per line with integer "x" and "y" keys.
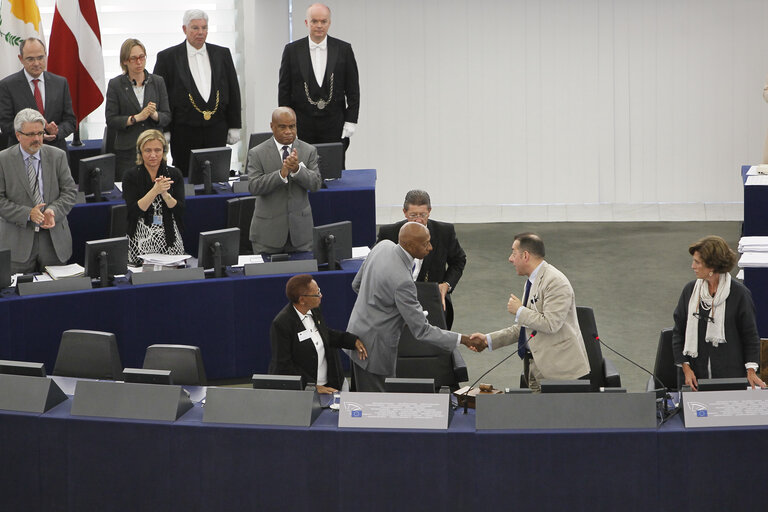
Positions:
{"x": 588, "y": 327}
{"x": 118, "y": 220}
{"x": 330, "y": 159}
{"x": 254, "y": 140}
{"x": 664, "y": 368}
{"x": 184, "y": 361}
{"x": 88, "y": 355}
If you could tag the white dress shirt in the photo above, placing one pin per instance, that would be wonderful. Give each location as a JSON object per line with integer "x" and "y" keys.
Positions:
{"x": 200, "y": 66}
{"x": 322, "y": 365}
{"x": 319, "y": 55}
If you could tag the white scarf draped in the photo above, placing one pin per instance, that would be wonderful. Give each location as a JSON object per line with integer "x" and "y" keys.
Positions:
{"x": 715, "y": 330}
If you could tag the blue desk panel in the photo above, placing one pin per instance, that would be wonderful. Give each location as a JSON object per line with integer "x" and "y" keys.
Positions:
{"x": 353, "y": 198}
{"x": 228, "y": 318}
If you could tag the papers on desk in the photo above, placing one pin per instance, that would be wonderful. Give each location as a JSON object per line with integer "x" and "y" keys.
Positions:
{"x": 245, "y": 259}
{"x": 360, "y": 253}
{"x": 761, "y": 179}
{"x": 753, "y": 260}
{"x": 165, "y": 260}
{"x": 757, "y": 169}
{"x": 119, "y": 186}
{"x": 62, "y": 271}
{"x": 753, "y": 244}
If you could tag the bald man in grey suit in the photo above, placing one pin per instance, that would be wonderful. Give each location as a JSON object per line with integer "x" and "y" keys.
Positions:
{"x": 387, "y": 301}
{"x": 33, "y": 218}
{"x": 281, "y": 173}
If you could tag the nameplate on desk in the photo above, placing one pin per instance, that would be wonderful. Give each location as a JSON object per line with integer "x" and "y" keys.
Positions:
{"x": 29, "y": 394}
{"x": 168, "y": 276}
{"x": 280, "y": 267}
{"x": 129, "y": 401}
{"x": 261, "y": 406}
{"x": 566, "y": 411}
{"x": 428, "y": 411}
{"x": 725, "y": 408}
{"x": 67, "y": 284}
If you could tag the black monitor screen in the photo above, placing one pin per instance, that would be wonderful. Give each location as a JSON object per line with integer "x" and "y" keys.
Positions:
{"x": 106, "y": 258}
{"x": 294, "y": 382}
{"x": 336, "y": 238}
{"x": 330, "y": 158}
{"x": 146, "y": 376}
{"x": 97, "y": 174}
{"x": 733, "y": 384}
{"x": 566, "y": 386}
{"x": 396, "y": 385}
{"x": 22, "y": 368}
{"x": 5, "y": 268}
{"x": 217, "y": 249}
{"x": 209, "y": 165}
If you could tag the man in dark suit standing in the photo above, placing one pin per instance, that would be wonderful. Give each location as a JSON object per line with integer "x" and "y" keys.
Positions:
{"x": 35, "y": 88}
{"x": 445, "y": 263}
{"x": 319, "y": 80}
{"x": 202, "y": 90}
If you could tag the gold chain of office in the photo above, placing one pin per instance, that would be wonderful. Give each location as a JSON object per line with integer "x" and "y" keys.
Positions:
{"x": 321, "y": 103}
{"x": 207, "y": 114}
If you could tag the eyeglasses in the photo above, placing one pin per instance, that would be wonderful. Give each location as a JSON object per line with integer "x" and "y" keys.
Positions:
{"x": 413, "y": 216}
{"x": 317, "y": 295}
{"x": 30, "y": 60}
{"x": 703, "y": 316}
{"x": 137, "y": 58}
{"x": 33, "y": 134}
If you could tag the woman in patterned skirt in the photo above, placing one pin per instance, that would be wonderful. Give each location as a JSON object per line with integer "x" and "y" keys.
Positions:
{"x": 154, "y": 195}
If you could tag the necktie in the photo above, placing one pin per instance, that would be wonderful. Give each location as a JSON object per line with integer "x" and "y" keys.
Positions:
{"x": 521, "y": 341}
{"x": 285, "y": 152}
{"x": 38, "y": 96}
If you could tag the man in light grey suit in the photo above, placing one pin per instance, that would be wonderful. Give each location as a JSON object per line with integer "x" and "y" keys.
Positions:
{"x": 36, "y": 195}
{"x": 33, "y": 87}
{"x": 281, "y": 172}
{"x": 546, "y": 329}
{"x": 387, "y": 301}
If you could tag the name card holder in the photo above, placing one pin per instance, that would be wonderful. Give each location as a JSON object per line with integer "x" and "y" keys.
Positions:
{"x": 743, "y": 408}
{"x": 130, "y": 401}
{"x": 261, "y": 407}
{"x": 168, "y": 276}
{"x": 566, "y": 411}
{"x": 280, "y": 267}
{"x": 67, "y": 284}
{"x": 428, "y": 411}
{"x": 29, "y": 394}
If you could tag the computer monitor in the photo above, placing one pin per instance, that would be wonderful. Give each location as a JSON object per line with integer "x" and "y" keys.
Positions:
{"x": 219, "y": 248}
{"x": 330, "y": 159}
{"x": 566, "y": 386}
{"x": 106, "y": 258}
{"x": 22, "y": 368}
{"x": 290, "y": 382}
{"x": 732, "y": 384}
{"x": 147, "y": 376}
{"x": 332, "y": 243}
{"x": 208, "y": 166}
{"x": 397, "y": 385}
{"x": 5, "y": 268}
{"x": 97, "y": 175}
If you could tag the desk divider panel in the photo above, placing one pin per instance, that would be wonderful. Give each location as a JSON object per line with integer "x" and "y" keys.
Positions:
{"x": 131, "y": 401}
{"x": 67, "y": 284}
{"x": 29, "y": 394}
{"x": 281, "y": 267}
{"x": 168, "y": 276}
{"x": 567, "y": 411}
{"x": 261, "y": 407}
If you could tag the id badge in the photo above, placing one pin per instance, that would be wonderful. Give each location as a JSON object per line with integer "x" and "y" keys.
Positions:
{"x": 157, "y": 220}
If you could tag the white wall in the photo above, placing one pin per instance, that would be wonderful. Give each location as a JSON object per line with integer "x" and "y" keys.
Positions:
{"x": 514, "y": 110}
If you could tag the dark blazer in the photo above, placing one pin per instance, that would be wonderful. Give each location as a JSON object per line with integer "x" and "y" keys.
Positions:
{"x": 296, "y": 70}
{"x": 446, "y": 261}
{"x": 172, "y": 64}
{"x": 122, "y": 104}
{"x": 15, "y": 95}
{"x": 136, "y": 184}
{"x": 17, "y": 232}
{"x": 742, "y": 341}
{"x": 293, "y": 357}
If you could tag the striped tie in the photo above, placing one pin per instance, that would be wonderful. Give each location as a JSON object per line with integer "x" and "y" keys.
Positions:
{"x": 32, "y": 174}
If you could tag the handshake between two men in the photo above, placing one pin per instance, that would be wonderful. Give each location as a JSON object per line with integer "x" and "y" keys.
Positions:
{"x": 476, "y": 342}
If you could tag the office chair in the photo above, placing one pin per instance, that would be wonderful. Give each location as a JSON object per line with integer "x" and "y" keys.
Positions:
{"x": 664, "y": 368}
{"x": 239, "y": 215}
{"x": 184, "y": 361}
{"x": 419, "y": 360}
{"x": 254, "y": 140}
{"x": 118, "y": 220}
{"x": 88, "y": 355}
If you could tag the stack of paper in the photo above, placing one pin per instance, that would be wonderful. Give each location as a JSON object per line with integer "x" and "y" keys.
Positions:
{"x": 165, "y": 260}
{"x": 60, "y": 271}
{"x": 753, "y": 244}
{"x": 757, "y": 169}
{"x": 753, "y": 260}
{"x": 360, "y": 253}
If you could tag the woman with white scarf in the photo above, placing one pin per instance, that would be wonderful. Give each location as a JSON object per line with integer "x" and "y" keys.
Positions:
{"x": 715, "y": 334}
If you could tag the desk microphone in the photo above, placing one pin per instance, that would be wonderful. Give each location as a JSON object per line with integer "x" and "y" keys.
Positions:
{"x": 663, "y": 389}
{"x": 466, "y": 398}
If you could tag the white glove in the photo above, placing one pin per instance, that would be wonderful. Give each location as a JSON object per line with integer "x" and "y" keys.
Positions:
{"x": 348, "y": 130}
{"x": 233, "y": 136}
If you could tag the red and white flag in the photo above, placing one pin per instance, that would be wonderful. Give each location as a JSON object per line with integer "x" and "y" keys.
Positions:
{"x": 75, "y": 53}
